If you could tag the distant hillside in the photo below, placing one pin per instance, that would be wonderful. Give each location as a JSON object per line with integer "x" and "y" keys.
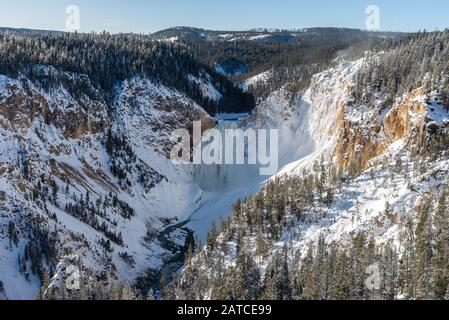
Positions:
{"x": 109, "y": 59}
{"x": 291, "y": 56}
{"x": 268, "y": 35}
{"x": 30, "y": 31}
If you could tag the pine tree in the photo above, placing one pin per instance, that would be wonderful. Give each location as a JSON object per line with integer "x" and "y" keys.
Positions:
{"x": 389, "y": 277}
{"x": 283, "y": 281}
{"x": 322, "y": 182}
{"x": 423, "y": 251}
{"x": 340, "y": 285}
{"x": 212, "y": 236}
{"x": 440, "y": 260}
{"x": 304, "y": 280}
{"x": 359, "y": 265}
{"x": 247, "y": 278}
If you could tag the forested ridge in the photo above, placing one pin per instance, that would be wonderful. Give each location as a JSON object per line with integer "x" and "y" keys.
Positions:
{"x": 243, "y": 260}
{"x": 257, "y": 252}
{"x": 293, "y": 56}
{"x": 109, "y": 59}
{"x": 422, "y": 61}
{"x": 260, "y": 270}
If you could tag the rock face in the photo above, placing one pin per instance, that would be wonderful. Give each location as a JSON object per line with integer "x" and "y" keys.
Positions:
{"x": 421, "y": 120}
{"x": 400, "y": 119}
{"x": 151, "y": 113}
{"x": 414, "y": 118}
{"x": 380, "y": 148}
{"x": 92, "y": 181}
{"x": 91, "y": 175}
{"x": 358, "y": 143}
{"x": 327, "y": 119}
{"x": 73, "y": 113}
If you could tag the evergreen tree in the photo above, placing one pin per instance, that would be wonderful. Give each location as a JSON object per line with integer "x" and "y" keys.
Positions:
{"x": 440, "y": 260}
{"x": 423, "y": 251}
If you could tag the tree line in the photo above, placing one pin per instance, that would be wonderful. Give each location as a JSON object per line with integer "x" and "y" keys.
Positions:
{"x": 108, "y": 59}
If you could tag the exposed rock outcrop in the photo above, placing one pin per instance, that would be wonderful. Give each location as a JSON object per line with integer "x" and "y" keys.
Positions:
{"x": 415, "y": 118}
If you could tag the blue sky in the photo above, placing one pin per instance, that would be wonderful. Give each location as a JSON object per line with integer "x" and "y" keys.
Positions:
{"x": 144, "y": 16}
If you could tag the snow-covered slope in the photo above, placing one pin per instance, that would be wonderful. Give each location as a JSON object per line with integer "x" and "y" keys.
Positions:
{"x": 89, "y": 182}
{"x": 95, "y": 180}
{"x": 307, "y": 126}
{"x": 260, "y": 79}
{"x": 381, "y": 163}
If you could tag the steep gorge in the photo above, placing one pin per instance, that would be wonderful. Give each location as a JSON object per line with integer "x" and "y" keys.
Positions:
{"x": 384, "y": 162}
{"x": 69, "y": 144}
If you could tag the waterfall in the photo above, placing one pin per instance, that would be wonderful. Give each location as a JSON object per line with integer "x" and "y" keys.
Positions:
{"x": 224, "y": 178}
